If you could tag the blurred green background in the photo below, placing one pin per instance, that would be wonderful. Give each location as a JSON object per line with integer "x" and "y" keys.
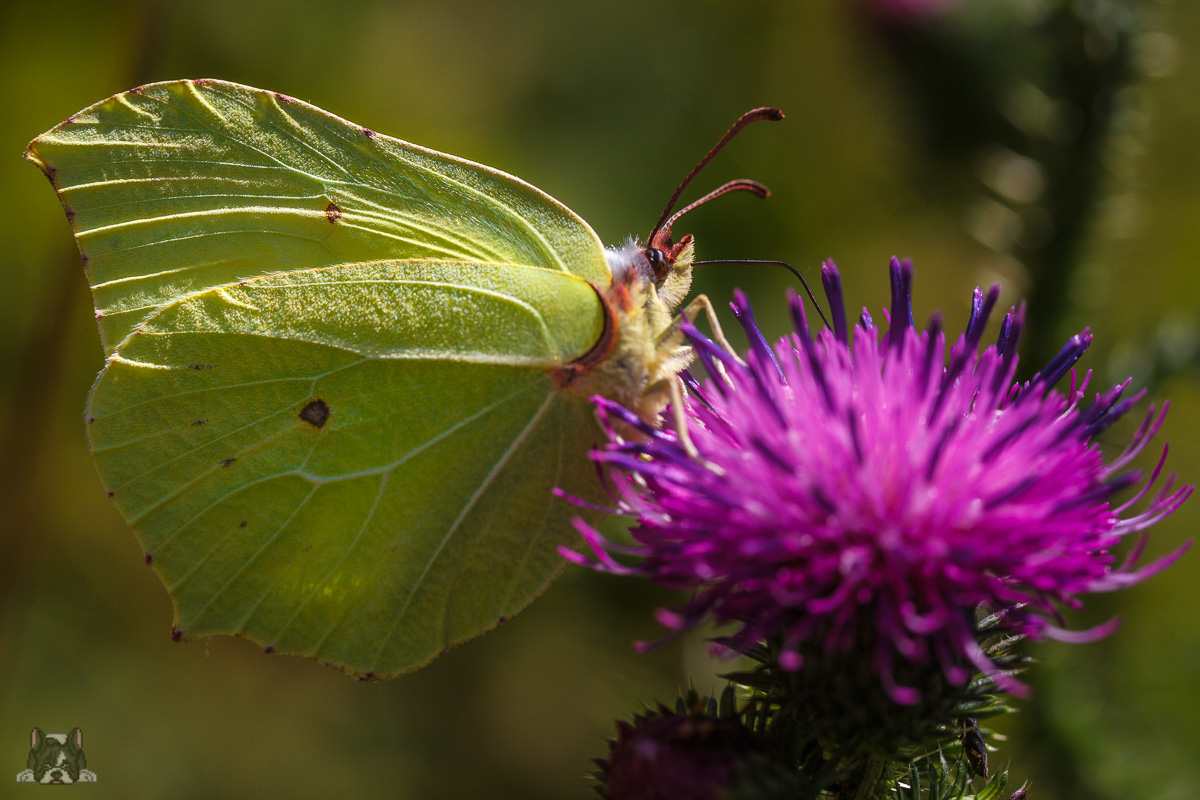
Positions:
{"x": 968, "y": 142}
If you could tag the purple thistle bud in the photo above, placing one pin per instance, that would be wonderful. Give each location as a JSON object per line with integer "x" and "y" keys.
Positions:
{"x": 868, "y": 492}
{"x": 679, "y": 757}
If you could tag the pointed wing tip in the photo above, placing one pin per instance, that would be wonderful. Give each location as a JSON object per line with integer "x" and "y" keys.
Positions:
{"x": 33, "y": 156}
{"x": 30, "y": 154}
{"x": 195, "y": 83}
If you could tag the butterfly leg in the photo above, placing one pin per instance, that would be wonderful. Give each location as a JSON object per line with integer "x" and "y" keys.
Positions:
{"x": 690, "y": 312}
{"x": 702, "y": 303}
{"x": 679, "y": 419}
{"x": 674, "y": 390}
{"x": 672, "y": 338}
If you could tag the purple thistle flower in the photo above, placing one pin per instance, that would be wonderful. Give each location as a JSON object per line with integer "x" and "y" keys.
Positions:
{"x": 863, "y": 492}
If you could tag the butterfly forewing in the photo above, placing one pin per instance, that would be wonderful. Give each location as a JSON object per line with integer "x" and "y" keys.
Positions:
{"x": 178, "y": 187}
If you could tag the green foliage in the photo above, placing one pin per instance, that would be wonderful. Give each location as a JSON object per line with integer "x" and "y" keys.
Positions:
{"x": 789, "y": 763}
{"x": 834, "y": 724}
{"x": 939, "y": 779}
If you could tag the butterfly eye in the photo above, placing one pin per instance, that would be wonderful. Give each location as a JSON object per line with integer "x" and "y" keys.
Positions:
{"x": 657, "y": 259}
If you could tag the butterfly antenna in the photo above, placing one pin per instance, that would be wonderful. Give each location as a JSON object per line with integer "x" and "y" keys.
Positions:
{"x": 807, "y": 290}
{"x": 753, "y": 115}
{"x": 741, "y": 185}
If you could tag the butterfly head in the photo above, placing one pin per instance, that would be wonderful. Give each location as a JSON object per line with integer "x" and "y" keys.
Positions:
{"x": 663, "y": 264}
{"x": 642, "y": 348}
{"x": 670, "y": 265}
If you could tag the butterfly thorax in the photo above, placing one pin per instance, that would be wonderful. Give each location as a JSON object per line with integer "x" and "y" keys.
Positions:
{"x": 641, "y": 348}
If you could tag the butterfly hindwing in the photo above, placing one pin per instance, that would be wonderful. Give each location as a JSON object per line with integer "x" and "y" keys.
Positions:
{"x": 353, "y": 463}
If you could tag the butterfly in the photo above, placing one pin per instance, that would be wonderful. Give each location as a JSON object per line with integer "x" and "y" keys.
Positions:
{"x": 345, "y": 373}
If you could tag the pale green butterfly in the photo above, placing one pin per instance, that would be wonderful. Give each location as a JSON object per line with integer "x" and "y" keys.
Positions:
{"x": 344, "y": 373}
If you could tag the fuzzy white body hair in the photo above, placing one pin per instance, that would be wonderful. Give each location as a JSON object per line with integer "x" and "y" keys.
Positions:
{"x": 625, "y": 261}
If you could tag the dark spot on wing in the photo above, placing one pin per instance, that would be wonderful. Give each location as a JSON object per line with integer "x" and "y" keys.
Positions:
{"x": 242, "y": 524}
{"x": 316, "y": 413}
{"x": 149, "y": 559}
{"x": 83, "y": 258}
{"x": 176, "y": 633}
{"x": 503, "y": 619}
{"x": 332, "y": 213}
{"x": 225, "y": 462}
{"x": 91, "y": 420}
{"x": 111, "y": 495}
{"x": 370, "y": 134}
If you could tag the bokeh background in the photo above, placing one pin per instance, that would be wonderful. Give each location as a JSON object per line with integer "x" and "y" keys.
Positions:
{"x": 1044, "y": 144}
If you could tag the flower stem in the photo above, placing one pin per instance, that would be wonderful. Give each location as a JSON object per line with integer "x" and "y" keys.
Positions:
{"x": 870, "y": 779}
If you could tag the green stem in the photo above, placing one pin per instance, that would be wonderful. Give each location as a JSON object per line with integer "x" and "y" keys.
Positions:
{"x": 870, "y": 779}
